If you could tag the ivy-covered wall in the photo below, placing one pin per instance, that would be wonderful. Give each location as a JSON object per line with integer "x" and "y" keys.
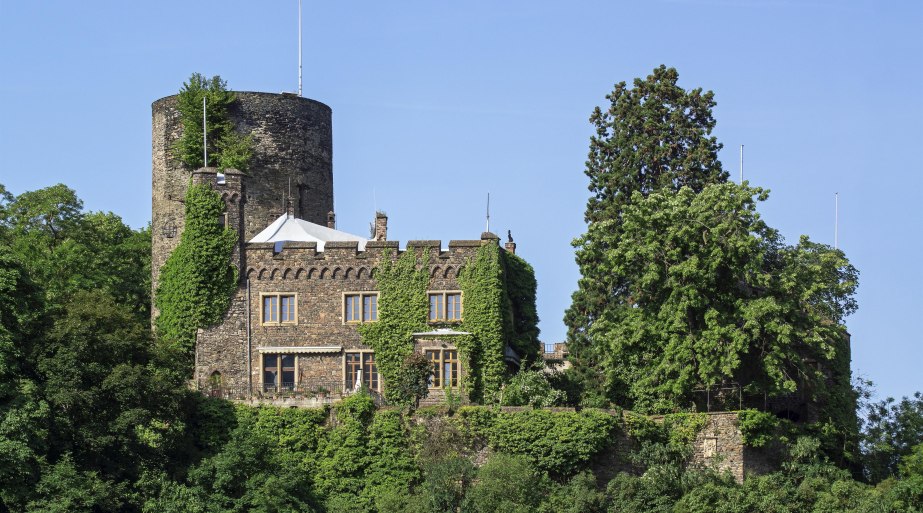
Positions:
{"x": 402, "y": 311}
{"x": 490, "y": 313}
{"x": 197, "y": 280}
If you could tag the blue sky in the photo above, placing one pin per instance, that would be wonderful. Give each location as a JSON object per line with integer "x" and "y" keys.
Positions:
{"x": 437, "y": 103}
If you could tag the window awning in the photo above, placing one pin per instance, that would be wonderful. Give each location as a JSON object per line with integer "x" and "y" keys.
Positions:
{"x": 441, "y": 332}
{"x": 301, "y": 349}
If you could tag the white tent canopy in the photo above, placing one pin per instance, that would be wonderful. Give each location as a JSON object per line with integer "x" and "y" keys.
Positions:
{"x": 290, "y": 229}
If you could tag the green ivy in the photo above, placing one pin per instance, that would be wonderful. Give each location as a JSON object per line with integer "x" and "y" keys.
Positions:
{"x": 492, "y": 317}
{"x": 521, "y": 290}
{"x": 197, "y": 280}
{"x": 757, "y": 428}
{"x": 486, "y": 317}
{"x": 402, "y": 311}
{"x": 560, "y": 443}
{"x": 682, "y": 428}
{"x": 226, "y": 148}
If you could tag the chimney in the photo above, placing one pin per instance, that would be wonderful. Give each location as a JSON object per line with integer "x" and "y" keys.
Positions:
{"x": 510, "y": 246}
{"x": 381, "y": 226}
{"x": 331, "y": 220}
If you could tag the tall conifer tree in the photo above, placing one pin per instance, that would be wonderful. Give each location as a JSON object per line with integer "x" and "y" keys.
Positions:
{"x": 654, "y": 135}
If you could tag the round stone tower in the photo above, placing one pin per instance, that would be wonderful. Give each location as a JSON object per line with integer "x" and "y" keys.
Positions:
{"x": 292, "y": 151}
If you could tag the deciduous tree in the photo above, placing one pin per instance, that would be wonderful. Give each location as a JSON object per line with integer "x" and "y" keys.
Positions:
{"x": 653, "y": 135}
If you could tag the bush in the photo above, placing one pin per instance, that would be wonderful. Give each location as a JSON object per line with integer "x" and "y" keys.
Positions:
{"x": 506, "y": 483}
{"x": 532, "y": 388}
{"x": 756, "y": 427}
{"x": 557, "y": 443}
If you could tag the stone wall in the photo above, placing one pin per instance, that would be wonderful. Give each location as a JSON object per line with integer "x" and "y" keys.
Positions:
{"x": 719, "y": 445}
{"x": 319, "y": 280}
{"x": 292, "y": 151}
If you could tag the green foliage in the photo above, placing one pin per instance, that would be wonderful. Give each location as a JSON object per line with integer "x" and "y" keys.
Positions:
{"x": 664, "y": 444}
{"x": 579, "y": 495}
{"x": 226, "y": 148}
{"x": 892, "y": 431}
{"x": 486, "y": 318}
{"x": 532, "y": 388}
{"x": 506, "y": 483}
{"x": 682, "y": 428}
{"x": 248, "y": 475}
{"x": 521, "y": 290}
{"x": 445, "y": 484}
{"x": 654, "y": 135}
{"x": 391, "y": 468}
{"x": 912, "y": 464}
{"x": 412, "y": 384}
{"x": 757, "y": 428}
{"x": 714, "y": 296}
{"x": 197, "y": 280}
{"x": 559, "y": 443}
{"x": 402, "y": 311}
{"x": 344, "y": 453}
{"x": 683, "y": 286}
{"x": 67, "y": 250}
{"x": 66, "y": 489}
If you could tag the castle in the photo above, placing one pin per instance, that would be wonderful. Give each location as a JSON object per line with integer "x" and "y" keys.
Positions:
{"x": 290, "y": 335}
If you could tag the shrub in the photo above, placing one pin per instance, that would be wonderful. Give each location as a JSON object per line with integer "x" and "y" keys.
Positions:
{"x": 532, "y": 388}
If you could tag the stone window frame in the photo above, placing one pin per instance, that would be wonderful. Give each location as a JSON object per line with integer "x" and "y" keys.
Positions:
{"x": 347, "y": 387}
{"x": 280, "y": 386}
{"x": 442, "y": 361}
{"x": 362, "y": 294}
{"x": 279, "y": 295}
{"x": 445, "y": 294}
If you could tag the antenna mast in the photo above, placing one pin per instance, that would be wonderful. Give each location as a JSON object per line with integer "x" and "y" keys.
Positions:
{"x": 836, "y": 221}
{"x": 488, "y": 212}
{"x": 741, "y": 164}
{"x": 204, "y": 134}
{"x": 299, "y": 47}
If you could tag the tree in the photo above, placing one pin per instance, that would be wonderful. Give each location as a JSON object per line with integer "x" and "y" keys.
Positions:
{"x": 413, "y": 381}
{"x": 893, "y": 433}
{"x": 655, "y": 135}
{"x": 226, "y": 148}
{"x": 67, "y": 250}
{"x": 712, "y": 296}
{"x": 23, "y": 415}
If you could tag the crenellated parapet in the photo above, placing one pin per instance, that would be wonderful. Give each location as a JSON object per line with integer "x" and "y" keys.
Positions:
{"x": 343, "y": 260}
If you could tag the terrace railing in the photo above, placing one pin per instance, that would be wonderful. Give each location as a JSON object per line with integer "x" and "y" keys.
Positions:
{"x": 320, "y": 391}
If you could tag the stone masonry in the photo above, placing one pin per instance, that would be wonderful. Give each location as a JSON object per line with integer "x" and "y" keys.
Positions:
{"x": 320, "y": 336}
{"x": 293, "y": 151}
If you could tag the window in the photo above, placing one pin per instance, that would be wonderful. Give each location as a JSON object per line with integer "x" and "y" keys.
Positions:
{"x": 361, "y": 370}
{"x": 278, "y": 372}
{"x": 445, "y": 368}
{"x": 445, "y": 306}
{"x": 223, "y": 220}
{"x": 280, "y": 308}
{"x": 360, "y": 307}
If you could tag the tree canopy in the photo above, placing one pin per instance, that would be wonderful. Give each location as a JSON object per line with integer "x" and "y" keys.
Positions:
{"x": 226, "y": 148}
{"x": 683, "y": 286}
{"x": 653, "y": 135}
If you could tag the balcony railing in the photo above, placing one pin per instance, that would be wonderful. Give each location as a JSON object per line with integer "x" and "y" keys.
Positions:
{"x": 320, "y": 391}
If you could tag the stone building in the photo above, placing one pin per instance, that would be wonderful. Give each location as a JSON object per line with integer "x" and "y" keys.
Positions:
{"x": 290, "y": 334}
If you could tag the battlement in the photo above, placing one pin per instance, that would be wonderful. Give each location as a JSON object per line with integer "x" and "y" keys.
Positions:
{"x": 344, "y": 259}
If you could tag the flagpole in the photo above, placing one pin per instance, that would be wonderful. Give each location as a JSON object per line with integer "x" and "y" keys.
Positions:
{"x": 299, "y": 47}
{"x": 204, "y": 133}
